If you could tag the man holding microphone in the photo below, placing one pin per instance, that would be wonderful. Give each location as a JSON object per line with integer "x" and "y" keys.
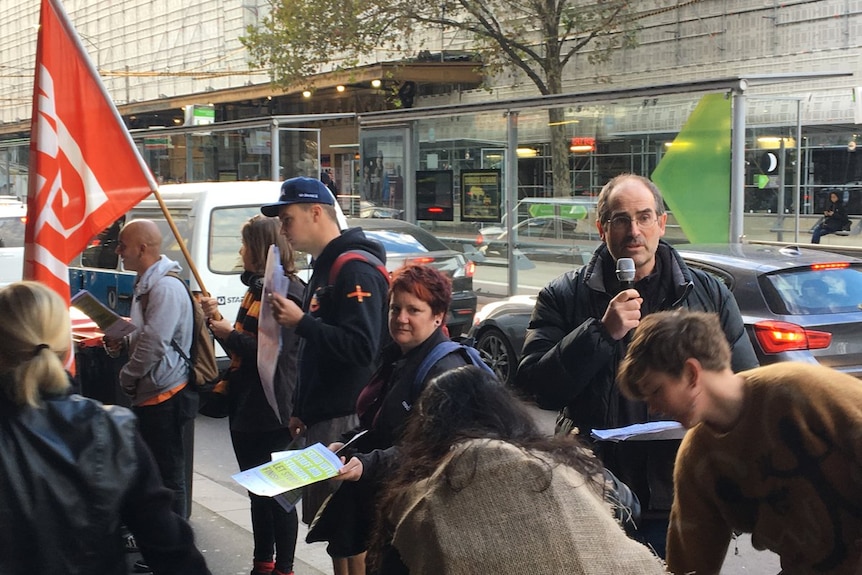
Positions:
{"x": 581, "y": 325}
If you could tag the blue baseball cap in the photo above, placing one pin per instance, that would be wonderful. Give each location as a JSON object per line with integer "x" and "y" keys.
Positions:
{"x": 300, "y": 190}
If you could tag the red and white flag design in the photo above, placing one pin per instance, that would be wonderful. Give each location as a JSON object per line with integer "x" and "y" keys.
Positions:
{"x": 85, "y": 171}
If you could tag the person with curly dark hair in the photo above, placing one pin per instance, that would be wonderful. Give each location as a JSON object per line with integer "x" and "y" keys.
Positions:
{"x": 480, "y": 489}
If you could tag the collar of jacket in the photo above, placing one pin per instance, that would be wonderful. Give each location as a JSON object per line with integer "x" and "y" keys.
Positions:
{"x": 670, "y": 265}
{"x": 253, "y": 280}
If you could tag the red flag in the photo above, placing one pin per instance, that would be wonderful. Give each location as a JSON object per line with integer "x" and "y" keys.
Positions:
{"x": 85, "y": 171}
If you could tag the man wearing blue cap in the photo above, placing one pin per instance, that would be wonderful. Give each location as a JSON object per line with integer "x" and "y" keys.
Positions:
{"x": 342, "y": 323}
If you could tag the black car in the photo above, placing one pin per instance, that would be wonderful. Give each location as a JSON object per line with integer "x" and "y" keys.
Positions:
{"x": 407, "y": 243}
{"x": 797, "y": 305}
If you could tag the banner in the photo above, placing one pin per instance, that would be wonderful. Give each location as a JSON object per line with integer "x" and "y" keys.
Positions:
{"x": 85, "y": 171}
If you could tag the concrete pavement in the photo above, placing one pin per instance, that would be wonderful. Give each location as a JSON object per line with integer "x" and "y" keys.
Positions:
{"x": 216, "y": 505}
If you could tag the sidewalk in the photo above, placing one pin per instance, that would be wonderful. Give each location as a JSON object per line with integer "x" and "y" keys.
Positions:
{"x": 311, "y": 559}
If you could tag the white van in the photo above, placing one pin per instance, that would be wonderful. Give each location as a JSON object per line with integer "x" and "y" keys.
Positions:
{"x": 13, "y": 216}
{"x": 209, "y": 216}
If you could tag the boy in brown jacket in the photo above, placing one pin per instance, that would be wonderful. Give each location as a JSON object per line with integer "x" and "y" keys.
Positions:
{"x": 775, "y": 451}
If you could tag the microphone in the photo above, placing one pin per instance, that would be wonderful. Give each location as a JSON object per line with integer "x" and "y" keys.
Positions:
{"x": 626, "y": 273}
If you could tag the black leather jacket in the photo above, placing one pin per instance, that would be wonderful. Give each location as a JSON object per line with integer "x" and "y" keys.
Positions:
{"x": 71, "y": 473}
{"x": 570, "y": 362}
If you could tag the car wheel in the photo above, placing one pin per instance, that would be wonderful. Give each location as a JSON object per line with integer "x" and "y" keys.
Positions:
{"x": 498, "y": 353}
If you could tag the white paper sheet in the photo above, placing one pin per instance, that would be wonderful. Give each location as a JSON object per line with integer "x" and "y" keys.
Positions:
{"x": 294, "y": 470}
{"x": 652, "y": 431}
{"x": 268, "y": 330}
{"x": 111, "y": 324}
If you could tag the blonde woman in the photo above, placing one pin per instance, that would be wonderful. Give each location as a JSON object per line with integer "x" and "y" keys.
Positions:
{"x": 72, "y": 470}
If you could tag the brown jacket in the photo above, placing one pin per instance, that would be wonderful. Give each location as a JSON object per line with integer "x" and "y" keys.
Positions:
{"x": 512, "y": 512}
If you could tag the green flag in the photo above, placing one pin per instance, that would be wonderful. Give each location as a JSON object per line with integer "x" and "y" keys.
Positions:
{"x": 694, "y": 174}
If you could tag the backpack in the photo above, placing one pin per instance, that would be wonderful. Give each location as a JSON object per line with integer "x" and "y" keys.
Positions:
{"x": 440, "y": 351}
{"x": 363, "y": 255}
{"x": 203, "y": 370}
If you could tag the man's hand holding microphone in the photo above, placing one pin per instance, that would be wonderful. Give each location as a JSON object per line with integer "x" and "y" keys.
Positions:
{"x": 624, "y": 310}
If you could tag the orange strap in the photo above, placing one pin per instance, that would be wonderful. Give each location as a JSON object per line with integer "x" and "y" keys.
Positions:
{"x": 163, "y": 397}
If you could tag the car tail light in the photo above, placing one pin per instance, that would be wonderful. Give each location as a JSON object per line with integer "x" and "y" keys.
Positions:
{"x": 779, "y": 336}
{"x": 470, "y": 268}
{"x": 830, "y": 266}
{"x": 479, "y": 239}
{"x": 420, "y": 261}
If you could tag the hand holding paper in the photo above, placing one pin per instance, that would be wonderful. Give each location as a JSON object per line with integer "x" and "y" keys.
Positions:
{"x": 298, "y": 468}
{"x": 112, "y": 324}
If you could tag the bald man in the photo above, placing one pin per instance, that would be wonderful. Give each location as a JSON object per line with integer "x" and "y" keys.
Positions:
{"x": 156, "y": 375}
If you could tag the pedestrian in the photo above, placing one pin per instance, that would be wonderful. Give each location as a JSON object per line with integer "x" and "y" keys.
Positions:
{"x": 580, "y": 327}
{"x": 773, "y": 451}
{"x": 479, "y": 489}
{"x": 834, "y": 219}
{"x": 419, "y": 299}
{"x": 329, "y": 181}
{"x": 156, "y": 375}
{"x": 341, "y": 324}
{"x": 72, "y": 471}
{"x": 257, "y": 427}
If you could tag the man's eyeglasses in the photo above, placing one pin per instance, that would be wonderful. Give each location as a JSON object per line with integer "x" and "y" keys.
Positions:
{"x": 644, "y": 220}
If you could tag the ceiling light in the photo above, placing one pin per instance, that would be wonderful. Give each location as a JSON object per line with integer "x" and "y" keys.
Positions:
{"x": 526, "y": 152}
{"x": 376, "y": 83}
{"x": 774, "y": 142}
{"x": 339, "y": 88}
{"x": 306, "y": 93}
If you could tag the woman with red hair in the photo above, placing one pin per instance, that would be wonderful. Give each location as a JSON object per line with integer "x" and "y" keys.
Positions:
{"x": 419, "y": 297}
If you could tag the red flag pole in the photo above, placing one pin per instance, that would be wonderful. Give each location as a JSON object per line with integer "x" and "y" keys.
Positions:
{"x": 84, "y": 60}
{"x": 183, "y": 248}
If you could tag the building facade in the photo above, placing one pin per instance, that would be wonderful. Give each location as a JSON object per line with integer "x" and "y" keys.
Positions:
{"x": 161, "y": 61}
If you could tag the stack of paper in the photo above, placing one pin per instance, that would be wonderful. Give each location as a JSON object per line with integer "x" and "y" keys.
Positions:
{"x": 652, "y": 431}
{"x": 295, "y": 469}
{"x": 111, "y": 324}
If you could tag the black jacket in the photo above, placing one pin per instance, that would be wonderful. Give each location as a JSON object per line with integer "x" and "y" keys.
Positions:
{"x": 838, "y": 220}
{"x": 248, "y": 407}
{"x": 387, "y": 417}
{"x": 71, "y": 473}
{"x": 570, "y": 362}
{"x": 342, "y": 331}
{"x": 347, "y": 520}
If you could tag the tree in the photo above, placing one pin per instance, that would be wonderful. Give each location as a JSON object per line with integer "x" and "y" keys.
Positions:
{"x": 539, "y": 38}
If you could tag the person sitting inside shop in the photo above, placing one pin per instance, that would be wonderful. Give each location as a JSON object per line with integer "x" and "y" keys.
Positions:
{"x": 834, "y": 219}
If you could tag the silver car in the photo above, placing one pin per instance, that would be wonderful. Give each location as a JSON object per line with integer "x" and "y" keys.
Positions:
{"x": 797, "y": 304}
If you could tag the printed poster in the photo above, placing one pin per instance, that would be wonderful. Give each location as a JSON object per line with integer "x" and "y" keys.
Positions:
{"x": 480, "y": 195}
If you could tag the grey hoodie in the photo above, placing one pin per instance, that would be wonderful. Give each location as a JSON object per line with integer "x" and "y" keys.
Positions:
{"x": 154, "y": 366}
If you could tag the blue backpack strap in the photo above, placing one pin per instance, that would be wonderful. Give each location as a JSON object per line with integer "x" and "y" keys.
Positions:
{"x": 363, "y": 255}
{"x": 476, "y": 359}
{"x": 440, "y": 351}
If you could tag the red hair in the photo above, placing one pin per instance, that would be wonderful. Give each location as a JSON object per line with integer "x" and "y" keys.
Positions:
{"x": 427, "y": 283}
